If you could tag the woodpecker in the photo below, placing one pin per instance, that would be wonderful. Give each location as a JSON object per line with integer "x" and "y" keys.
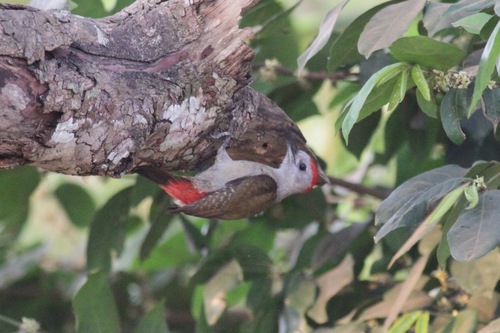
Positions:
{"x": 234, "y": 189}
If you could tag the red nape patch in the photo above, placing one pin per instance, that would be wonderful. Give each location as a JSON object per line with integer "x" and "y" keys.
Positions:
{"x": 314, "y": 179}
{"x": 183, "y": 191}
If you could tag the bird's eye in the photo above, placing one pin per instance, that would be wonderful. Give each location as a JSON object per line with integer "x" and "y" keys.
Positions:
{"x": 302, "y": 166}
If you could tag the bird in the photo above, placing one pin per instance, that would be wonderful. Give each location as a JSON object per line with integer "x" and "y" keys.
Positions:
{"x": 235, "y": 189}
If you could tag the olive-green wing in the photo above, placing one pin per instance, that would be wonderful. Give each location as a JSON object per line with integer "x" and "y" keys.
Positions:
{"x": 241, "y": 198}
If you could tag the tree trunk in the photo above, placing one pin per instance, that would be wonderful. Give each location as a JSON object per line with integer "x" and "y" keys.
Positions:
{"x": 162, "y": 83}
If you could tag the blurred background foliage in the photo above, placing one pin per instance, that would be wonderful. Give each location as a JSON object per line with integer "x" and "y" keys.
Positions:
{"x": 102, "y": 255}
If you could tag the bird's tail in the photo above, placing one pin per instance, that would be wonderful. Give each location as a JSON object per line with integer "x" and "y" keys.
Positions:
{"x": 157, "y": 175}
{"x": 180, "y": 188}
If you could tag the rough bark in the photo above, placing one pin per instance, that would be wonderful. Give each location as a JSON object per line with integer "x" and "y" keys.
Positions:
{"x": 161, "y": 83}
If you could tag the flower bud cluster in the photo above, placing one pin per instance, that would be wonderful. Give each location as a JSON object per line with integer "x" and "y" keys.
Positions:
{"x": 268, "y": 71}
{"x": 451, "y": 79}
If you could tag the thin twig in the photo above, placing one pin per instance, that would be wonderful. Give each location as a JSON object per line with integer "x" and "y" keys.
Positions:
{"x": 320, "y": 75}
{"x": 358, "y": 188}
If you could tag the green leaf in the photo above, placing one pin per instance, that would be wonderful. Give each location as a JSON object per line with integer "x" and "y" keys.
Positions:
{"x": 134, "y": 223}
{"x": 476, "y": 231}
{"x": 430, "y": 221}
{"x": 194, "y": 236}
{"x": 254, "y": 262}
{"x": 472, "y": 196}
{"x": 433, "y": 19}
{"x": 377, "y": 98}
{"x": 439, "y": 16}
{"x": 153, "y": 321}
{"x": 490, "y": 173}
{"x": 266, "y": 308}
{"x": 296, "y": 100}
{"x": 464, "y": 322}
{"x": 15, "y": 192}
{"x": 296, "y": 211}
{"x": 228, "y": 277}
{"x": 211, "y": 264}
{"x": 77, "y": 203}
{"x": 408, "y": 204}
{"x": 325, "y": 30}
{"x": 344, "y": 49}
{"x": 468, "y": 7}
{"x": 161, "y": 256}
{"x": 427, "y": 107}
{"x": 354, "y": 112}
{"x": 260, "y": 293}
{"x": 276, "y": 37}
{"x": 107, "y": 232}
{"x": 299, "y": 294}
{"x": 478, "y": 277}
{"x": 488, "y": 170}
{"x": 159, "y": 219}
{"x": 415, "y": 186}
{"x": 395, "y": 133}
{"x": 197, "y": 303}
{"x": 256, "y": 234}
{"x": 343, "y": 274}
{"x": 488, "y": 28}
{"x": 416, "y": 155}
{"x": 362, "y": 133}
{"x": 453, "y": 108}
{"x": 422, "y": 139}
{"x": 491, "y": 100}
{"x": 89, "y": 8}
{"x": 404, "y": 323}
{"x": 94, "y": 306}
{"x": 18, "y": 266}
{"x": 443, "y": 250}
{"x": 143, "y": 188}
{"x": 344, "y": 92}
{"x": 238, "y": 295}
{"x": 201, "y": 324}
{"x": 383, "y": 28}
{"x": 422, "y": 325}
{"x": 486, "y": 67}
{"x": 421, "y": 82}
{"x": 473, "y": 23}
{"x": 399, "y": 91}
{"x": 426, "y": 52}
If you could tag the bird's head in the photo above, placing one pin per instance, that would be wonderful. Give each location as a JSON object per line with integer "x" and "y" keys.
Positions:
{"x": 300, "y": 171}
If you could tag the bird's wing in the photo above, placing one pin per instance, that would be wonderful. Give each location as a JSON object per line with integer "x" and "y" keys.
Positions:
{"x": 241, "y": 198}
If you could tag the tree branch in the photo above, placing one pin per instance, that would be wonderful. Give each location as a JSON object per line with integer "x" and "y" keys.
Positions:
{"x": 358, "y": 188}
{"x": 161, "y": 83}
{"x": 321, "y": 75}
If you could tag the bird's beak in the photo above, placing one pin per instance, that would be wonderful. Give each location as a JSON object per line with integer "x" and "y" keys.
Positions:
{"x": 322, "y": 178}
